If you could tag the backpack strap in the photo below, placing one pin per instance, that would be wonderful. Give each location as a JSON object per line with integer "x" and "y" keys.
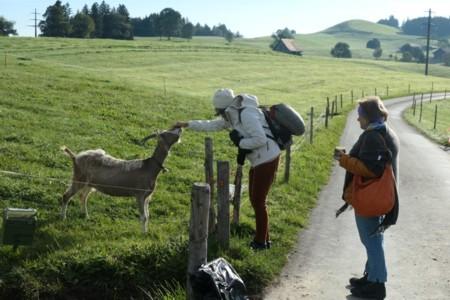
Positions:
{"x": 266, "y": 116}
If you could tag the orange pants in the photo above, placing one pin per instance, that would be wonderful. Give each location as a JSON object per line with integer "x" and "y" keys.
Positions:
{"x": 261, "y": 178}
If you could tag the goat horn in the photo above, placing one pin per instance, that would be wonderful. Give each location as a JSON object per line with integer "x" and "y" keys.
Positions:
{"x": 151, "y": 136}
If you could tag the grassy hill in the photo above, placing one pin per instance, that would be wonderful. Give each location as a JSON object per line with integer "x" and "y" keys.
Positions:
{"x": 356, "y": 33}
{"x": 90, "y": 94}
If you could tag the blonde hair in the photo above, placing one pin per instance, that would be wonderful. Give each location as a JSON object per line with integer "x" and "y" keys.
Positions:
{"x": 373, "y": 108}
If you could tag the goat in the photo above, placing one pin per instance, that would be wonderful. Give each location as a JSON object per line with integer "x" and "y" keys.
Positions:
{"x": 95, "y": 170}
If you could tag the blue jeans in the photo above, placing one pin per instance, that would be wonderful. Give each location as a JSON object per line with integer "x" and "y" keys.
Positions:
{"x": 376, "y": 264}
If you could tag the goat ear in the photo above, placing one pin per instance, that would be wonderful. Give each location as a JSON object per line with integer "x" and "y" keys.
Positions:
{"x": 151, "y": 136}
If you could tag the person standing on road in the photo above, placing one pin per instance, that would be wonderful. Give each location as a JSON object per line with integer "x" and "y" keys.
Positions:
{"x": 251, "y": 134}
{"x": 368, "y": 158}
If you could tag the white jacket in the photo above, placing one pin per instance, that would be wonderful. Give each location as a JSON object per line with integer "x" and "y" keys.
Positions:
{"x": 252, "y": 125}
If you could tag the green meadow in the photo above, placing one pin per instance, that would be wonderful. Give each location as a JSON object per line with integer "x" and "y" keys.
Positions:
{"x": 356, "y": 33}
{"x": 89, "y": 94}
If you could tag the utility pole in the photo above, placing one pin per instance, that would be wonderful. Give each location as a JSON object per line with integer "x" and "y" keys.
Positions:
{"x": 428, "y": 42}
{"x": 35, "y": 13}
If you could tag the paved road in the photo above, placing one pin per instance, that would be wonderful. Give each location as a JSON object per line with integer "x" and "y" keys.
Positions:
{"x": 417, "y": 248}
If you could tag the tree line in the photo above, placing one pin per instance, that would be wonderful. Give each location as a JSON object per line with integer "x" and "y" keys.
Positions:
{"x": 99, "y": 21}
{"x": 103, "y": 21}
{"x": 151, "y": 26}
{"x": 440, "y": 26}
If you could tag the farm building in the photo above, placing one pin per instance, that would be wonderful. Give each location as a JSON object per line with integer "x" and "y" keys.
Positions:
{"x": 287, "y": 46}
{"x": 440, "y": 54}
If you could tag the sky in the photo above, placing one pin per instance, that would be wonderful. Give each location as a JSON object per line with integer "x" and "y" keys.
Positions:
{"x": 252, "y": 18}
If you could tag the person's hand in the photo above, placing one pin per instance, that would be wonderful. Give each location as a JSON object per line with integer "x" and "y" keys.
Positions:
{"x": 180, "y": 125}
{"x": 338, "y": 154}
{"x": 235, "y": 137}
{"x": 240, "y": 159}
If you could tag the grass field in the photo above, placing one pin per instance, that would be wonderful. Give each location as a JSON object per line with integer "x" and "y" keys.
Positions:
{"x": 441, "y": 133}
{"x": 90, "y": 94}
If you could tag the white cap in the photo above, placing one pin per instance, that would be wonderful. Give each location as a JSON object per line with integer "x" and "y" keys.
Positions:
{"x": 223, "y": 98}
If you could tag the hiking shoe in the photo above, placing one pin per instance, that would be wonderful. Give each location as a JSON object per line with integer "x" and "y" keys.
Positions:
{"x": 359, "y": 282}
{"x": 372, "y": 290}
{"x": 258, "y": 246}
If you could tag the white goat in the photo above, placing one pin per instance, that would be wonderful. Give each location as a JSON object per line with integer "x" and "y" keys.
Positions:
{"x": 95, "y": 170}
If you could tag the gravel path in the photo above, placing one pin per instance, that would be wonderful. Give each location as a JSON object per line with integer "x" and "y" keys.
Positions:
{"x": 417, "y": 249}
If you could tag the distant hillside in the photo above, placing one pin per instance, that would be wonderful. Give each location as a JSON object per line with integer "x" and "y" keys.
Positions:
{"x": 361, "y": 27}
{"x": 356, "y": 33}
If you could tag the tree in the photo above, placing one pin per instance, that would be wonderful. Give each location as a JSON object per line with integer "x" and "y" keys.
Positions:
{"x": 447, "y": 59}
{"x": 56, "y": 21}
{"x": 85, "y": 10}
{"x": 373, "y": 43}
{"x": 415, "y": 51}
{"x": 285, "y": 33}
{"x": 98, "y": 20}
{"x": 440, "y": 28}
{"x": 377, "y": 53}
{"x": 220, "y": 30}
{"x": 170, "y": 21}
{"x": 341, "y": 50}
{"x": 229, "y": 36}
{"x": 187, "y": 31}
{"x": 6, "y": 27}
{"x": 406, "y": 56}
{"x": 392, "y": 21}
{"x": 82, "y": 26}
{"x": 116, "y": 26}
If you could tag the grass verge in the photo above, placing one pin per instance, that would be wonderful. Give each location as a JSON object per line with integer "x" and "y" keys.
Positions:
{"x": 426, "y": 123}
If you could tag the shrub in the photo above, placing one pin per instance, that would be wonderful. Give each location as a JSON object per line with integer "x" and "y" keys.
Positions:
{"x": 377, "y": 53}
{"x": 341, "y": 50}
{"x": 373, "y": 44}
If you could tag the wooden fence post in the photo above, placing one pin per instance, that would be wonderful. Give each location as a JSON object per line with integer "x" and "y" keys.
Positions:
{"x": 209, "y": 178}
{"x": 431, "y": 95}
{"x": 165, "y": 89}
{"x": 237, "y": 194}
{"x": 421, "y": 106}
{"x": 332, "y": 110}
{"x": 435, "y": 116}
{"x": 287, "y": 167}
{"x": 342, "y": 104}
{"x": 409, "y": 88}
{"x": 376, "y": 92}
{"x": 327, "y": 112}
{"x": 311, "y": 132}
{"x": 223, "y": 204}
{"x": 336, "y": 104}
{"x": 198, "y": 232}
{"x": 352, "y": 96}
{"x": 6, "y": 54}
{"x": 445, "y": 94}
{"x": 414, "y": 104}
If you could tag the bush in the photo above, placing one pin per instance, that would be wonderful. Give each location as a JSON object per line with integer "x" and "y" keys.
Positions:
{"x": 373, "y": 44}
{"x": 341, "y": 50}
{"x": 377, "y": 53}
{"x": 406, "y": 56}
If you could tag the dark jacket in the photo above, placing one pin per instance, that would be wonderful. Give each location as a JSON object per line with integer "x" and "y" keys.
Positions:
{"x": 374, "y": 149}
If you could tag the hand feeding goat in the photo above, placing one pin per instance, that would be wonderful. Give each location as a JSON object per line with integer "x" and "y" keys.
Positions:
{"x": 94, "y": 169}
